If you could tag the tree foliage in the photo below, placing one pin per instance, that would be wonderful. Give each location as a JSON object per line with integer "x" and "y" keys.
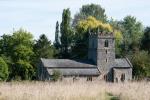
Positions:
{"x": 141, "y": 64}
{"x": 146, "y": 40}
{"x": 43, "y": 47}
{"x": 93, "y": 10}
{"x": 56, "y": 75}
{"x": 82, "y": 31}
{"x": 66, "y": 33}
{"x": 3, "y": 70}
{"x": 22, "y": 53}
{"x": 15, "y": 48}
{"x": 132, "y": 31}
{"x": 92, "y": 23}
{"x": 57, "y": 39}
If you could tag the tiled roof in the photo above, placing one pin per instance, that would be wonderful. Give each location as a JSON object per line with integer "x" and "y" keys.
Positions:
{"x": 75, "y": 71}
{"x": 124, "y": 63}
{"x": 66, "y": 63}
{"x": 70, "y": 67}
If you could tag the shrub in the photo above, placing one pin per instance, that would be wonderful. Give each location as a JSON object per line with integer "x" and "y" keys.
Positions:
{"x": 3, "y": 70}
{"x": 56, "y": 75}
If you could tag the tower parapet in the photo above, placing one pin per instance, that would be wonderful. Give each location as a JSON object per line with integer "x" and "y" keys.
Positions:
{"x": 101, "y": 34}
{"x": 92, "y": 34}
{"x": 104, "y": 34}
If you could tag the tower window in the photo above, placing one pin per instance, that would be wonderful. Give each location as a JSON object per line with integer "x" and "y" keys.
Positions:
{"x": 106, "y": 51}
{"x": 106, "y": 43}
{"x": 106, "y": 60}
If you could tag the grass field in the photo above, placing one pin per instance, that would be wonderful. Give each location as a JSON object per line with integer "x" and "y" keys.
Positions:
{"x": 74, "y": 91}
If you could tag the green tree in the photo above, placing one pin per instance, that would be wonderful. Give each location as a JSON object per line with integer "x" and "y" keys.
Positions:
{"x": 57, "y": 42}
{"x": 132, "y": 31}
{"x": 5, "y": 45}
{"x": 3, "y": 70}
{"x": 119, "y": 47}
{"x": 66, "y": 34}
{"x": 43, "y": 48}
{"x": 22, "y": 54}
{"x": 93, "y": 10}
{"x": 80, "y": 48}
{"x": 141, "y": 64}
{"x": 146, "y": 40}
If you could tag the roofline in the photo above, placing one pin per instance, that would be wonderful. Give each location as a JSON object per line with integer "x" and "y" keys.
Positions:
{"x": 98, "y": 70}
{"x": 122, "y": 67}
{"x": 128, "y": 61}
{"x": 73, "y": 67}
{"x": 94, "y": 75}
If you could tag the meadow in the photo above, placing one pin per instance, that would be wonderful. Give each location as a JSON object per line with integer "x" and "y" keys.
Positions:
{"x": 74, "y": 91}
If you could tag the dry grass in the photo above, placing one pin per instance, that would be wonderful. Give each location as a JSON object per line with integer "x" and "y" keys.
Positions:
{"x": 74, "y": 91}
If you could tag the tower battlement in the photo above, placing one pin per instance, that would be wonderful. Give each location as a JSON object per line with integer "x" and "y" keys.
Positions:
{"x": 101, "y": 34}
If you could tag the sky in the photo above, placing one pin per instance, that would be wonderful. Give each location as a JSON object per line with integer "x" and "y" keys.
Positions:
{"x": 40, "y": 16}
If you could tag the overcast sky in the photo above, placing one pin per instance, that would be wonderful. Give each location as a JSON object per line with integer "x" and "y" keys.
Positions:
{"x": 40, "y": 16}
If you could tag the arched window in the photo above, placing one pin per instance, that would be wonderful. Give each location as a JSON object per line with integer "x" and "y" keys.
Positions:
{"x": 89, "y": 78}
{"x": 116, "y": 79}
{"x": 123, "y": 77}
{"x": 106, "y": 43}
{"x": 105, "y": 78}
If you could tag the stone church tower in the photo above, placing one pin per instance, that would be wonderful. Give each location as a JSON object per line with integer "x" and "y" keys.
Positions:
{"x": 102, "y": 52}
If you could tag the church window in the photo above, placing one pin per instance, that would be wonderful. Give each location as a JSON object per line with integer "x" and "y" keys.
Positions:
{"x": 106, "y": 60}
{"x": 106, "y": 43}
{"x": 123, "y": 77}
{"x": 105, "y": 78}
{"x": 89, "y": 78}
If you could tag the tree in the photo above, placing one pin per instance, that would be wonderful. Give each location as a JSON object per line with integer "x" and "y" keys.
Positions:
{"x": 57, "y": 42}
{"x": 93, "y": 10}
{"x": 141, "y": 64}
{"x": 5, "y": 45}
{"x": 22, "y": 54}
{"x": 43, "y": 48}
{"x": 80, "y": 48}
{"x": 119, "y": 47}
{"x": 92, "y": 23}
{"x": 66, "y": 33}
{"x": 5, "y": 51}
{"x": 132, "y": 31}
{"x": 3, "y": 70}
{"x": 146, "y": 40}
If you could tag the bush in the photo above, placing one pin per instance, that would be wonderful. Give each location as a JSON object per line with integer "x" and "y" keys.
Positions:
{"x": 56, "y": 75}
{"x": 3, "y": 70}
{"x": 141, "y": 64}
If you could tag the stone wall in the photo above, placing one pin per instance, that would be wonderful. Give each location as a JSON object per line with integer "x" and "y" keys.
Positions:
{"x": 118, "y": 74}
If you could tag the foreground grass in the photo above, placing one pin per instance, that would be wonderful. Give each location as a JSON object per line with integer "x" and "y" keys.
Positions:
{"x": 74, "y": 91}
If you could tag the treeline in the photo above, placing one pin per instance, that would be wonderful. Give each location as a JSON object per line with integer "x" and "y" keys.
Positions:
{"x": 20, "y": 53}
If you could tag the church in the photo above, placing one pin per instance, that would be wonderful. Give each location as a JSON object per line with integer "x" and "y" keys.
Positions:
{"x": 100, "y": 65}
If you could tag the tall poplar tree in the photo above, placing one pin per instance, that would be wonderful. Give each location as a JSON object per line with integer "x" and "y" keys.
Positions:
{"x": 57, "y": 42}
{"x": 66, "y": 33}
